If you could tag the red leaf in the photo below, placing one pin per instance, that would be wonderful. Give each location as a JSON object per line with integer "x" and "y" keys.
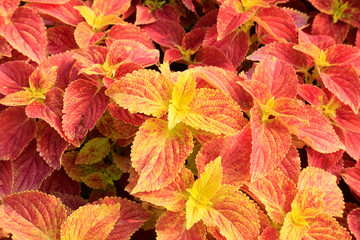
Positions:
{"x": 130, "y": 32}
{"x": 144, "y": 15}
{"x": 84, "y": 104}
{"x": 61, "y": 39}
{"x": 322, "y": 160}
{"x": 29, "y": 169}
{"x": 344, "y": 82}
{"x": 354, "y": 222}
{"x": 26, "y": 33}
{"x": 124, "y": 115}
{"x": 343, "y": 54}
{"x": 113, "y": 7}
{"x": 7, "y": 7}
{"x": 352, "y": 141}
{"x": 71, "y": 201}
{"x": 157, "y": 153}
{"x": 166, "y": 33}
{"x": 33, "y": 215}
{"x": 85, "y": 36}
{"x": 64, "y": 12}
{"x": 167, "y": 12}
{"x": 290, "y": 165}
{"x": 16, "y": 131}
{"x": 278, "y": 76}
{"x": 48, "y": 1}
{"x": 352, "y": 177}
{"x": 235, "y": 157}
{"x": 346, "y": 118}
{"x": 50, "y": 144}
{"x": 271, "y": 142}
{"x": 234, "y": 45}
{"x": 278, "y": 25}
{"x": 210, "y": 56}
{"x": 132, "y": 217}
{"x": 6, "y": 178}
{"x": 5, "y": 48}
{"x": 14, "y": 76}
{"x": 323, "y": 42}
{"x": 323, "y": 25}
{"x": 172, "y": 225}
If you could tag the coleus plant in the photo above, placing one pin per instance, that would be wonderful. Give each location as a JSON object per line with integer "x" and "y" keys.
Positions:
{"x": 235, "y": 119}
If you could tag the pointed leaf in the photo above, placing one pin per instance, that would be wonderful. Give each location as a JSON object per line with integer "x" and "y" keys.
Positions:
{"x": 93, "y": 151}
{"x": 93, "y": 222}
{"x": 60, "y": 183}
{"x": 352, "y": 177}
{"x": 153, "y": 97}
{"x": 14, "y": 76}
{"x": 323, "y": 24}
{"x": 259, "y": 91}
{"x": 333, "y": 197}
{"x": 114, "y": 128}
{"x": 211, "y": 56}
{"x": 85, "y": 35}
{"x": 322, "y": 160}
{"x": 132, "y": 217}
{"x": 290, "y": 165}
{"x": 84, "y": 104}
{"x": 321, "y": 41}
{"x": 354, "y": 221}
{"x": 61, "y": 39}
{"x": 43, "y": 79}
{"x": 26, "y": 33}
{"x": 234, "y": 214}
{"x": 157, "y": 154}
{"x": 289, "y": 230}
{"x": 64, "y": 12}
{"x": 271, "y": 142}
{"x": 20, "y": 98}
{"x": 214, "y": 111}
{"x": 344, "y": 82}
{"x": 33, "y": 215}
{"x": 276, "y": 191}
{"x": 235, "y": 156}
{"x": 278, "y": 76}
{"x": 114, "y": 7}
{"x": 171, "y": 225}
{"x": 173, "y": 197}
{"x": 16, "y": 131}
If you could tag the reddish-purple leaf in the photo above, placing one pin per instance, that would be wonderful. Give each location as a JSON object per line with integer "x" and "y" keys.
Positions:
{"x": 14, "y": 76}
{"x": 343, "y": 54}
{"x": 71, "y": 201}
{"x": 61, "y": 39}
{"x": 50, "y": 144}
{"x": 29, "y": 169}
{"x": 16, "y": 131}
{"x": 167, "y": 12}
{"x": 211, "y": 56}
{"x": 166, "y": 33}
{"x": 344, "y": 82}
{"x": 84, "y": 104}
{"x": 6, "y": 178}
{"x": 26, "y": 33}
{"x": 300, "y": 19}
{"x": 64, "y": 12}
{"x": 60, "y": 182}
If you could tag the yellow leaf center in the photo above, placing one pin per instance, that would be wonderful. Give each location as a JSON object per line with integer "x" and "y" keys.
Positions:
{"x": 338, "y": 10}
{"x": 266, "y": 110}
{"x": 320, "y": 60}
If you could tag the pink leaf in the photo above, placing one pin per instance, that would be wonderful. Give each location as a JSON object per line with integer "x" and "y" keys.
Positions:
{"x": 354, "y": 222}
{"x": 323, "y": 42}
{"x": 26, "y": 33}
{"x": 5, "y": 48}
{"x": 7, "y": 7}
{"x": 16, "y": 131}
{"x": 84, "y": 104}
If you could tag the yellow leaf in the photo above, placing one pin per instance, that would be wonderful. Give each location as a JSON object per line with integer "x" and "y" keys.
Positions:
{"x": 87, "y": 13}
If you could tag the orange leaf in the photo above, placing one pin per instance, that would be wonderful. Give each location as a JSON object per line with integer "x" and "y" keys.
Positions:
{"x": 32, "y": 215}
{"x": 143, "y": 91}
{"x": 171, "y": 226}
{"x": 276, "y": 191}
{"x": 90, "y": 222}
{"x": 93, "y": 151}
{"x": 333, "y": 198}
{"x": 157, "y": 153}
{"x": 234, "y": 214}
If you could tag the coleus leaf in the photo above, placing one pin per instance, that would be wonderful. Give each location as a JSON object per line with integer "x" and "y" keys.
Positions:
{"x": 157, "y": 153}
{"x": 113, "y": 7}
{"x": 93, "y": 151}
{"x": 5, "y": 48}
{"x": 271, "y": 141}
{"x": 7, "y": 7}
{"x": 59, "y": 183}
{"x": 26, "y": 33}
{"x": 234, "y": 214}
{"x": 91, "y": 222}
{"x": 144, "y": 15}
{"x": 132, "y": 217}
{"x": 211, "y": 56}
{"x": 235, "y": 156}
{"x": 151, "y": 100}
{"x": 343, "y": 81}
{"x": 173, "y": 197}
{"x": 16, "y": 131}
{"x": 277, "y": 23}
{"x": 171, "y": 225}
{"x": 321, "y": 41}
{"x": 352, "y": 177}
{"x": 276, "y": 191}
{"x": 29, "y": 169}
{"x": 42, "y": 79}
{"x": 85, "y": 35}
{"x": 323, "y": 25}
{"x": 6, "y": 177}
{"x": 322, "y": 160}
{"x": 114, "y": 128}
{"x": 33, "y": 214}
{"x": 61, "y": 39}
{"x": 290, "y": 165}
{"x": 166, "y": 33}
{"x": 124, "y": 115}
{"x": 14, "y": 76}
{"x": 215, "y": 112}
{"x": 84, "y": 104}
{"x": 333, "y": 198}
{"x": 64, "y": 12}
{"x": 353, "y": 221}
